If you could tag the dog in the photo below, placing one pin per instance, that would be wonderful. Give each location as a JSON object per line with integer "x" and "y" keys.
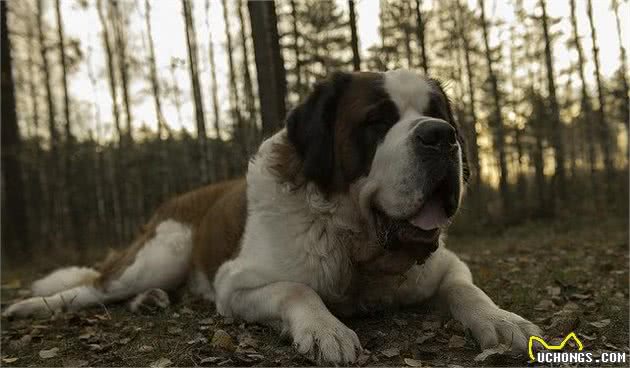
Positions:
{"x": 345, "y": 210}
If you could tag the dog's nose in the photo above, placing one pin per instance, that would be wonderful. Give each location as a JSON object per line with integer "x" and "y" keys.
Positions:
{"x": 435, "y": 133}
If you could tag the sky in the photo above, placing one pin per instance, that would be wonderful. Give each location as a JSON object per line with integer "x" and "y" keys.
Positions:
{"x": 169, "y": 36}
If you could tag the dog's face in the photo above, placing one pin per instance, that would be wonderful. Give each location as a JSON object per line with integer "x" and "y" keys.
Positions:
{"x": 389, "y": 140}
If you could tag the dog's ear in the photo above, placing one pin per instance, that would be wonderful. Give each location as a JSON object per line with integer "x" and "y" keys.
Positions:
{"x": 311, "y": 129}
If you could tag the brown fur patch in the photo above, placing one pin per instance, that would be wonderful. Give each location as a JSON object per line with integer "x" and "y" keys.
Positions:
{"x": 216, "y": 213}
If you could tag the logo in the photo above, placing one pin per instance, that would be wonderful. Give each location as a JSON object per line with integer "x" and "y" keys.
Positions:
{"x": 560, "y": 346}
{"x": 555, "y": 355}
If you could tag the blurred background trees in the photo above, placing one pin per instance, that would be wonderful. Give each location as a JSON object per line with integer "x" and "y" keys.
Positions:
{"x": 105, "y": 114}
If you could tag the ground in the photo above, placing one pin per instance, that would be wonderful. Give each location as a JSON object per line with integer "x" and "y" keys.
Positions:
{"x": 567, "y": 275}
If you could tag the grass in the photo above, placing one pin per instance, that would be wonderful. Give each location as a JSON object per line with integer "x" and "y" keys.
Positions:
{"x": 564, "y": 275}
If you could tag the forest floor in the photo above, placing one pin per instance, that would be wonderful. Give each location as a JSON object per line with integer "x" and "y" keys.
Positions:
{"x": 566, "y": 275}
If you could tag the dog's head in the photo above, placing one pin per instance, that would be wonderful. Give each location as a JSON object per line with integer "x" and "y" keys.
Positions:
{"x": 390, "y": 140}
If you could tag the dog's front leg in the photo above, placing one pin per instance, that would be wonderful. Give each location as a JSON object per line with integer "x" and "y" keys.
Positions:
{"x": 301, "y": 313}
{"x": 446, "y": 276}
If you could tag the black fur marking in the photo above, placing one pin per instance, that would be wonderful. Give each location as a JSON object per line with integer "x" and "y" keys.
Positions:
{"x": 310, "y": 128}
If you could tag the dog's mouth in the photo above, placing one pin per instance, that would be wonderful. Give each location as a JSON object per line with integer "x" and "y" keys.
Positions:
{"x": 424, "y": 225}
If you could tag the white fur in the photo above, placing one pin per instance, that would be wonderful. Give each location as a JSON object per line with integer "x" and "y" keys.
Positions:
{"x": 63, "y": 279}
{"x": 162, "y": 263}
{"x": 299, "y": 248}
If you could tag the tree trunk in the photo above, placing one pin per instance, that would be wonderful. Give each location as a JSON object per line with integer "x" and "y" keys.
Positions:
{"x": 251, "y": 130}
{"x": 191, "y": 42}
{"x": 559, "y": 178}
{"x": 123, "y": 65}
{"x": 220, "y": 168}
{"x": 111, "y": 71}
{"x": 157, "y": 99}
{"x": 15, "y": 227}
{"x": 235, "y": 100}
{"x": 499, "y": 136}
{"x": 153, "y": 76}
{"x": 354, "y": 39}
{"x": 420, "y": 34}
{"x": 55, "y": 173}
{"x": 68, "y": 194}
{"x": 473, "y": 146}
{"x": 269, "y": 65}
{"x": 625, "y": 112}
{"x": 585, "y": 99}
{"x": 605, "y": 139}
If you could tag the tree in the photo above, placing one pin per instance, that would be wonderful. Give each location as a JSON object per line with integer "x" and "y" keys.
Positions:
{"x": 235, "y": 100}
{"x": 556, "y": 124}
{"x": 585, "y": 98}
{"x": 604, "y": 134}
{"x": 15, "y": 227}
{"x": 270, "y": 70}
{"x": 111, "y": 71}
{"x": 420, "y": 23}
{"x": 354, "y": 39}
{"x": 153, "y": 77}
{"x": 622, "y": 91}
{"x": 120, "y": 36}
{"x": 466, "y": 46}
{"x": 249, "y": 131}
{"x": 193, "y": 65}
{"x": 497, "y": 117}
{"x": 220, "y": 168}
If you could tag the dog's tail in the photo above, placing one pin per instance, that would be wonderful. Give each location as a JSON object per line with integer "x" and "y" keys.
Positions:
{"x": 64, "y": 279}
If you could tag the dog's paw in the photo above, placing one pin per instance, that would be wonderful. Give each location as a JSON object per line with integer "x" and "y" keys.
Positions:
{"x": 149, "y": 301}
{"x": 492, "y": 326}
{"x": 35, "y": 306}
{"x": 326, "y": 340}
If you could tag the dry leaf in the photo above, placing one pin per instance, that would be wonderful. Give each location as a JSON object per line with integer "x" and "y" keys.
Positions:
{"x": 456, "y": 342}
{"x": 162, "y": 362}
{"x": 391, "y": 352}
{"x": 222, "y": 340}
{"x": 145, "y": 349}
{"x": 47, "y": 354}
{"x": 600, "y": 324}
{"x": 499, "y": 349}
{"x": 413, "y": 362}
{"x": 425, "y": 337}
{"x": 9, "y": 360}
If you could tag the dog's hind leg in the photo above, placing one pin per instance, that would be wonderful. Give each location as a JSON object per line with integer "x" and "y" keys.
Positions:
{"x": 162, "y": 261}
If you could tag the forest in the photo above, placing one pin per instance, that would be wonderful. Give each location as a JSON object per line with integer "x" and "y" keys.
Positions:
{"x": 78, "y": 176}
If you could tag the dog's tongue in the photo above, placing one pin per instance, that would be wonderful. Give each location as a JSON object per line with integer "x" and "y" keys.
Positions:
{"x": 431, "y": 216}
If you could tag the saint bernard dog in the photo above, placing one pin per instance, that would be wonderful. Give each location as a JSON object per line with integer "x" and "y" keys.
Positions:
{"x": 343, "y": 211}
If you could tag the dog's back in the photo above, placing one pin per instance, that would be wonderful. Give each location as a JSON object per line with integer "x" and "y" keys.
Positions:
{"x": 187, "y": 238}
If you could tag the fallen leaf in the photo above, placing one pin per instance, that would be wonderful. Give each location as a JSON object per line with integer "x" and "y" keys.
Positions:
{"x": 47, "y": 354}
{"x": 174, "y": 330}
{"x": 431, "y": 325}
{"x": 425, "y": 337}
{"x": 600, "y": 324}
{"x": 456, "y": 342}
{"x": 145, "y": 349}
{"x": 362, "y": 359}
{"x": 210, "y": 360}
{"x": 206, "y": 321}
{"x": 9, "y": 360}
{"x": 413, "y": 362}
{"x": 162, "y": 362}
{"x": 392, "y": 352}
{"x": 222, "y": 340}
{"x": 498, "y": 350}
{"x": 75, "y": 363}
